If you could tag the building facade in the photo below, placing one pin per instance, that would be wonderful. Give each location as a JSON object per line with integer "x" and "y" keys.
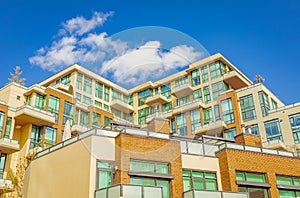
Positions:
{"x": 211, "y": 97}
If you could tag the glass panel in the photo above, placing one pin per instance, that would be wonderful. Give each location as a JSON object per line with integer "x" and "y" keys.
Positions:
{"x": 284, "y": 180}
{"x": 142, "y": 166}
{"x": 211, "y": 184}
{"x": 210, "y": 175}
{"x": 240, "y": 176}
{"x": 162, "y": 168}
{"x": 252, "y": 177}
{"x": 166, "y": 187}
{"x": 198, "y": 184}
{"x": 104, "y": 179}
{"x": 197, "y": 174}
{"x": 145, "y": 182}
{"x": 132, "y": 191}
{"x": 104, "y": 165}
{"x": 186, "y": 173}
{"x": 286, "y": 194}
{"x": 187, "y": 183}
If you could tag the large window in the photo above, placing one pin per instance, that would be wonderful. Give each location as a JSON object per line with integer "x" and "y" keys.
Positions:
{"x": 207, "y": 115}
{"x": 2, "y": 164}
{"x": 79, "y": 81}
{"x": 96, "y": 119}
{"x": 143, "y": 113}
{"x": 198, "y": 94}
{"x": 292, "y": 182}
{"x": 216, "y": 69}
{"x": 227, "y": 111}
{"x": 181, "y": 124}
{"x": 104, "y": 174}
{"x": 295, "y": 125}
{"x": 218, "y": 88}
{"x": 2, "y": 115}
{"x": 206, "y": 93}
{"x": 154, "y": 168}
{"x": 86, "y": 100}
{"x": 83, "y": 117}
{"x": 253, "y": 129}
{"x": 106, "y": 93}
{"x": 274, "y": 104}
{"x": 247, "y": 108}
{"x": 68, "y": 113}
{"x": 255, "y": 190}
{"x": 199, "y": 180}
{"x": 230, "y": 133}
{"x": 7, "y": 128}
{"x": 195, "y": 77}
{"x": 273, "y": 130}
{"x": 87, "y": 86}
{"x": 65, "y": 80}
{"x": 204, "y": 72}
{"x": 50, "y": 137}
{"x": 264, "y": 103}
{"x": 36, "y": 137}
{"x": 195, "y": 119}
{"x": 142, "y": 96}
{"x": 98, "y": 90}
{"x": 53, "y": 106}
{"x": 167, "y": 107}
{"x": 40, "y": 101}
{"x": 166, "y": 91}
{"x": 184, "y": 100}
{"x": 181, "y": 81}
{"x": 217, "y": 112}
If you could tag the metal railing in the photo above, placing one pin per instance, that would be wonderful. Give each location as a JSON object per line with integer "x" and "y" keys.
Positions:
{"x": 213, "y": 194}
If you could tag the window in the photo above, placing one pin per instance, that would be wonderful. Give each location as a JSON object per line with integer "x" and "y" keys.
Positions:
{"x": 50, "y": 137}
{"x": 65, "y": 80}
{"x": 198, "y": 94}
{"x": 87, "y": 100}
{"x": 106, "y": 93}
{"x": 173, "y": 126}
{"x": 216, "y": 69}
{"x": 98, "y": 104}
{"x": 264, "y": 103}
{"x": 195, "y": 77}
{"x": 36, "y": 137}
{"x": 7, "y": 128}
{"x": 142, "y": 96}
{"x": 181, "y": 81}
{"x": 78, "y": 96}
{"x": 230, "y": 133}
{"x": 247, "y": 108}
{"x": 68, "y": 113}
{"x": 116, "y": 112}
{"x": 181, "y": 124}
{"x": 274, "y": 104}
{"x": 253, "y": 129}
{"x": 273, "y": 130}
{"x": 199, "y": 180}
{"x": 255, "y": 190}
{"x": 183, "y": 100}
{"x": 104, "y": 174}
{"x": 295, "y": 125}
{"x": 151, "y": 167}
{"x": 106, "y": 107}
{"x": 116, "y": 95}
{"x": 218, "y": 88}
{"x": 40, "y": 101}
{"x": 87, "y": 86}
{"x": 84, "y": 118}
{"x": 288, "y": 180}
{"x": 107, "y": 120}
{"x": 166, "y": 91}
{"x": 143, "y": 113}
{"x": 98, "y": 91}
{"x": 79, "y": 81}
{"x": 206, "y": 93}
{"x": 204, "y": 72}
{"x": 28, "y": 99}
{"x": 2, "y": 164}
{"x": 207, "y": 115}
{"x": 2, "y": 115}
{"x": 53, "y": 107}
{"x": 217, "y": 112}
{"x": 195, "y": 120}
{"x": 167, "y": 107}
{"x": 289, "y": 194}
{"x": 227, "y": 111}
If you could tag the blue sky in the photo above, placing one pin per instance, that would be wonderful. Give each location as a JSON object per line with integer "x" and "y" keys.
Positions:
{"x": 259, "y": 37}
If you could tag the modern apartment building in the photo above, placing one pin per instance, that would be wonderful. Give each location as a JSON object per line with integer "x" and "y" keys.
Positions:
{"x": 211, "y": 97}
{"x": 135, "y": 163}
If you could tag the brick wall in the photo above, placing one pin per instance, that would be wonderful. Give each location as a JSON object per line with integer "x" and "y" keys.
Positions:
{"x": 248, "y": 139}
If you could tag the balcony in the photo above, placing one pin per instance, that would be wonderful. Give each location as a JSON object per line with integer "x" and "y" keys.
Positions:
{"x": 158, "y": 98}
{"x": 275, "y": 144}
{"x": 121, "y": 105}
{"x": 164, "y": 115}
{"x": 132, "y": 191}
{"x": 235, "y": 80}
{"x": 211, "y": 129}
{"x": 9, "y": 146}
{"x": 213, "y": 194}
{"x": 78, "y": 129}
{"x": 62, "y": 87}
{"x": 6, "y": 186}
{"x": 35, "y": 89}
{"x": 27, "y": 114}
{"x": 182, "y": 90}
{"x": 188, "y": 106}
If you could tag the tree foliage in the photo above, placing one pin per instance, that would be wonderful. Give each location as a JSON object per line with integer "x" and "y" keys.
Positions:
{"x": 16, "y": 77}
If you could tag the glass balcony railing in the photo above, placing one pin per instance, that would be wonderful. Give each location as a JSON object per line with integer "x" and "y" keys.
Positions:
{"x": 128, "y": 190}
{"x": 213, "y": 194}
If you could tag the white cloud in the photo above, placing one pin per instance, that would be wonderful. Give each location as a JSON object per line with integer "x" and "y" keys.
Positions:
{"x": 148, "y": 61}
{"x": 81, "y": 25}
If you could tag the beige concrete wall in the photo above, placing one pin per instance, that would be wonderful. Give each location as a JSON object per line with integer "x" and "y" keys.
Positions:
{"x": 10, "y": 93}
{"x": 70, "y": 173}
{"x": 202, "y": 163}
